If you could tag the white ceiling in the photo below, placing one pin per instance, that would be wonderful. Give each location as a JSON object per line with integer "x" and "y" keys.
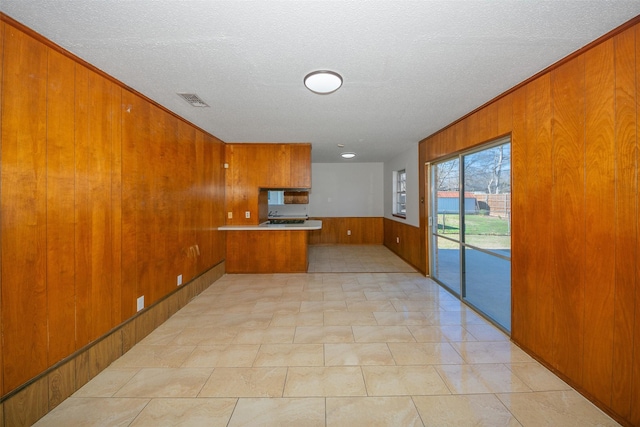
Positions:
{"x": 409, "y": 67}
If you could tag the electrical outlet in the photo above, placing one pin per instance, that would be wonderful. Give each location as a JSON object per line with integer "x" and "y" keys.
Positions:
{"x": 348, "y": 232}
{"x": 230, "y": 215}
{"x": 247, "y": 214}
{"x": 397, "y": 240}
{"x": 140, "y": 302}
{"x": 179, "y": 279}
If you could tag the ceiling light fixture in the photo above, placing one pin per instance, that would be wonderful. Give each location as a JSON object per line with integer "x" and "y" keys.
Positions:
{"x": 323, "y": 82}
{"x": 348, "y": 155}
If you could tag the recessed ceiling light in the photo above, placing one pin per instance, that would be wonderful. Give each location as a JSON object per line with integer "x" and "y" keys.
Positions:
{"x": 348, "y": 155}
{"x": 323, "y": 82}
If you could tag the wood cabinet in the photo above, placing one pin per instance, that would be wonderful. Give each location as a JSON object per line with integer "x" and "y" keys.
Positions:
{"x": 267, "y": 251}
{"x": 255, "y": 166}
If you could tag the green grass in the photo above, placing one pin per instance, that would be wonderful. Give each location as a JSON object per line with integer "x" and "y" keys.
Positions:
{"x": 475, "y": 225}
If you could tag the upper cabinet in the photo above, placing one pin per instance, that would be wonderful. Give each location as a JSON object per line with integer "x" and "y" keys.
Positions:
{"x": 255, "y": 166}
{"x": 300, "y": 170}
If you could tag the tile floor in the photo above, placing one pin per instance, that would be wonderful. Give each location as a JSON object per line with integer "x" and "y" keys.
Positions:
{"x": 326, "y": 349}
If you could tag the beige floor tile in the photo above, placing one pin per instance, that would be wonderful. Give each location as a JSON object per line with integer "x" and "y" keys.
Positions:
{"x": 403, "y": 380}
{"x": 340, "y": 295}
{"x": 451, "y": 333}
{"x": 361, "y": 286}
{"x": 491, "y": 352}
{"x": 163, "y": 335}
{"x": 413, "y": 347}
{"x": 388, "y": 296}
{"x": 301, "y": 295}
{"x": 554, "y": 408}
{"x": 204, "y": 336}
{"x": 349, "y": 318}
{"x": 323, "y": 334}
{"x": 245, "y": 382}
{"x": 277, "y": 307}
{"x": 324, "y": 381}
{"x": 413, "y": 305}
{"x": 382, "y": 334}
{"x": 186, "y": 412}
{"x": 537, "y": 377}
{"x": 481, "y": 378}
{"x": 425, "y": 354}
{"x": 372, "y": 412}
{"x": 407, "y": 318}
{"x": 272, "y": 335}
{"x": 298, "y": 319}
{"x": 224, "y": 355}
{"x": 248, "y": 320}
{"x": 107, "y": 382}
{"x": 290, "y": 355}
{"x": 487, "y": 333}
{"x": 357, "y": 354}
{"x": 166, "y": 382}
{"x": 98, "y": 412}
{"x": 257, "y": 412}
{"x": 371, "y": 306}
{"x": 141, "y": 356}
{"x": 322, "y": 306}
{"x": 467, "y": 410}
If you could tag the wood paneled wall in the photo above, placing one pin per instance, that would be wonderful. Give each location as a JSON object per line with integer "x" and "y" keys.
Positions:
{"x": 364, "y": 231}
{"x": 404, "y": 241}
{"x": 255, "y": 166}
{"x": 105, "y": 197}
{"x": 575, "y": 243}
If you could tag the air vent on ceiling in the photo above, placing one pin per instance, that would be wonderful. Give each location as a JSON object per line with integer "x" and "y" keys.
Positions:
{"x": 193, "y": 99}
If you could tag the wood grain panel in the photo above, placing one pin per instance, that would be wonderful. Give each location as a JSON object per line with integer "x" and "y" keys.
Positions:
{"x": 408, "y": 246}
{"x": 185, "y": 203}
{"x": 62, "y": 382}
{"x": 505, "y": 115}
{"x": 135, "y": 133}
{"x": 28, "y": 405}
{"x": 600, "y": 213}
{"x": 267, "y": 251}
{"x": 364, "y": 231}
{"x": 522, "y": 285}
{"x": 568, "y": 205}
{"x": 626, "y": 226}
{"x": 23, "y": 204}
{"x": 93, "y": 139}
{"x": 60, "y": 207}
{"x": 116, "y": 204}
{"x": 1, "y": 102}
{"x": 541, "y": 185}
{"x": 635, "y": 367}
{"x": 300, "y": 169}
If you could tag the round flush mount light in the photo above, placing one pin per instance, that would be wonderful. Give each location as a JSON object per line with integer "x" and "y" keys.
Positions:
{"x": 323, "y": 82}
{"x": 348, "y": 155}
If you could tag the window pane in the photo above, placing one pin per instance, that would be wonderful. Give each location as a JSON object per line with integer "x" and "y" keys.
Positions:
{"x": 487, "y": 183}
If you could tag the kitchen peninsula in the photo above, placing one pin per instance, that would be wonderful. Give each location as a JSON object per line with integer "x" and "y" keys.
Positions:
{"x": 254, "y": 244}
{"x": 268, "y": 248}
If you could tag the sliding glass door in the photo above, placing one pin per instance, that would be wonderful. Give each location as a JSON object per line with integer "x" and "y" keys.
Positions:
{"x": 471, "y": 228}
{"x": 446, "y": 225}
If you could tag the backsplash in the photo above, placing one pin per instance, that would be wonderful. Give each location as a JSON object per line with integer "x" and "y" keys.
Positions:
{"x": 289, "y": 210}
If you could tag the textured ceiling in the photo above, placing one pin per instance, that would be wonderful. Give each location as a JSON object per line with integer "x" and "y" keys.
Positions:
{"x": 409, "y": 67}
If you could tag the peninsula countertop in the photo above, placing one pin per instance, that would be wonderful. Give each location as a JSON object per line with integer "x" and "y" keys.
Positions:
{"x": 265, "y": 226}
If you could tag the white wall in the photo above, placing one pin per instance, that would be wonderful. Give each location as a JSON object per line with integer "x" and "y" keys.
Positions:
{"x": 408, "y": 161}
{"x": 347, "y": 190}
